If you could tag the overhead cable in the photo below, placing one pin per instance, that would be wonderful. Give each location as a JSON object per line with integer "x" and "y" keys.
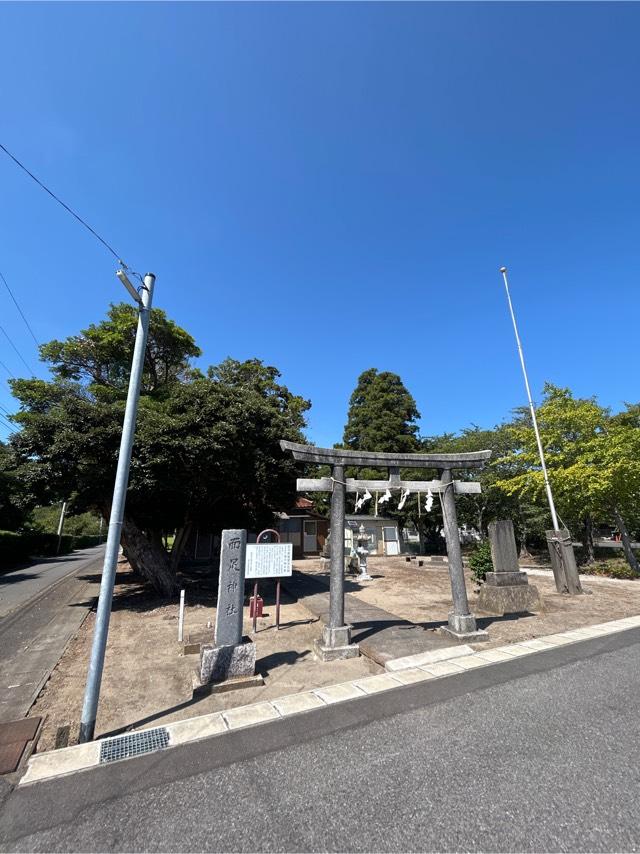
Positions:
{"x": 4, "y": 332}
{"x": 65, "y": 206}
{"x": 2, "y": 364}
{"x": 22, "y": 315}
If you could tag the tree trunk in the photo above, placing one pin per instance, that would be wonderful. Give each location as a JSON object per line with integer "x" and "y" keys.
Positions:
{"x": 632, "y": 560}
{"x": 147, "y": 556}
{"x": 180, "y": 541}
{"x": 524, "y": 551}
{"x": 588, "y": 540}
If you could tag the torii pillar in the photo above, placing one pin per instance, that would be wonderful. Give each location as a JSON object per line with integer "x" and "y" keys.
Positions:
{"x": 336, "y": 636}
{"x": 462, "y": 623}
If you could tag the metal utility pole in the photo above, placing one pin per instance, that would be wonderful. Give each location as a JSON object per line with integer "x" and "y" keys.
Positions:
{"x": 96, "y": 663}
{"x": 61, "y": 525}
{"x": 547, "y": 485}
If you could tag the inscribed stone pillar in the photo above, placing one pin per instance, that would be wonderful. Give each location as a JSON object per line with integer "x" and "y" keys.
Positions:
{"x": 228, "y": 631}
{"x": 231, "y": 655}
{"x": 506, "y": 590}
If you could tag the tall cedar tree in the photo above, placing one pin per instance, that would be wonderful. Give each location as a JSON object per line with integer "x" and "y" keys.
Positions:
{"x": 382, "y": 415}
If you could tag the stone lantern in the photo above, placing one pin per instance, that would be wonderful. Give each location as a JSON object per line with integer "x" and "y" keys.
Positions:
{"x": 362, "y": 551}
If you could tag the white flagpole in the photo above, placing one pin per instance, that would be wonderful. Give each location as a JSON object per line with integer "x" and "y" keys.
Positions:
{"x": 547, "y": 485}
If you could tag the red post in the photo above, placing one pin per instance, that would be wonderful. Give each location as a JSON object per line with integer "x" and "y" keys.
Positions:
{"x": 255, "y": 607}
{"x": 278, "y": 605}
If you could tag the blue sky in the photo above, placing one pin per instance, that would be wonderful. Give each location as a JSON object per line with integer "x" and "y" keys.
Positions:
{"x": 330, "y": 187}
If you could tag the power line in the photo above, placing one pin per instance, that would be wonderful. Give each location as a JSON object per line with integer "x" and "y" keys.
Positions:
{"x": 2, "y": 329}
{"x": 10, "y": 426}
{"x": 27, "y": 324}
{"x": 4, "y": 410}
{"x": 65, "y": 206}
{"x": 7, "y": 370}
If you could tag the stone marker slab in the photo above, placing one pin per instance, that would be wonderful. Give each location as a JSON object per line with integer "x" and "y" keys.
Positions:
{"x": 504, "y": 554}
{"x": 228, "y": 631}
{"x": 231, "y": 655}
{"x": 506, "y": 590}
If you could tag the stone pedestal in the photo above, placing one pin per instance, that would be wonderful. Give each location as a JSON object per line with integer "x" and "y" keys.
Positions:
{"x": 509, "y": 599}
{"x": 463, "y": 628}
{"x": 506, "y": 590}
{"x": 335, "y": 644}
{"x": 227, "y": 662}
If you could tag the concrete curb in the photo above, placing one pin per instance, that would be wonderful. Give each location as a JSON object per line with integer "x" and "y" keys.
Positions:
{"x": 56, "y": 763}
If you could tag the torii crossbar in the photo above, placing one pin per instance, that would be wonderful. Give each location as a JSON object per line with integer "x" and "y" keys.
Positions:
{"x": 336, "y": 640}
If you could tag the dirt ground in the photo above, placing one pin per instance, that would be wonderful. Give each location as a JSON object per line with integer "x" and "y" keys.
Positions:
{"x": 148, "y": 681}
{"x": 423, "y": 596}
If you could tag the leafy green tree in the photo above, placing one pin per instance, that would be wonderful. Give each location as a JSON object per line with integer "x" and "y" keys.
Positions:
{"x": 46, "y": 520}
{"x": 206, "y": 449}
{"x": 567, "y": 425}
{"x": 382, "y": 415}
{"x": 611, "y": 465}
{"x": 592, "y": 461}
{"x": 14, "y": 497}
{"x": 493, "y": 502}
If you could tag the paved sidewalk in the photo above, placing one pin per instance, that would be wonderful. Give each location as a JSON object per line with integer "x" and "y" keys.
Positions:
{"x": 34, "y": 635}
{"x": 382, "y": 636}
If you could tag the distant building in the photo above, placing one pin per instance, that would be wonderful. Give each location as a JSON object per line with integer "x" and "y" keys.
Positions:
{"x": 303, "y": 527}
{"x": 383, "y": 534}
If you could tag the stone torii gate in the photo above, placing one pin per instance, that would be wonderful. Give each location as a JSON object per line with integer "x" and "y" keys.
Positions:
{"x": 336, "y": 638}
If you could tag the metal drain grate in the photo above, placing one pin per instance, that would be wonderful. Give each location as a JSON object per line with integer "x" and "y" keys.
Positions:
{"x": 133, "y": 744}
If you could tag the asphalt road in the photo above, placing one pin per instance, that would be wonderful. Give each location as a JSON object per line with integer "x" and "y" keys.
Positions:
{"x": 536, "y": 754}
{"x": 43, "y": 606}
{"x": 22, "y": 585}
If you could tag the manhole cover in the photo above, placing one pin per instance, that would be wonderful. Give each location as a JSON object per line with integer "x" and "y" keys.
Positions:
{"x": 133, "y": 744}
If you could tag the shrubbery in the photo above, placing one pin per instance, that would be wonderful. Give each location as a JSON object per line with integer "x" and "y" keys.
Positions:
{"x": 613, "y": 568}
{"x": 17, "y": 548}
{"x": 480, "y": 560}
{"x": 14, "y": 548}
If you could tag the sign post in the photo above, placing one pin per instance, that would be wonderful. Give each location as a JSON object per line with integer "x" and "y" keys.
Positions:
{"x": 268, "y": 560}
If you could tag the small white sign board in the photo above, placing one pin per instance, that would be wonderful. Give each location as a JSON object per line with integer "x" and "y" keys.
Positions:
{"x": 268, "y": 560}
